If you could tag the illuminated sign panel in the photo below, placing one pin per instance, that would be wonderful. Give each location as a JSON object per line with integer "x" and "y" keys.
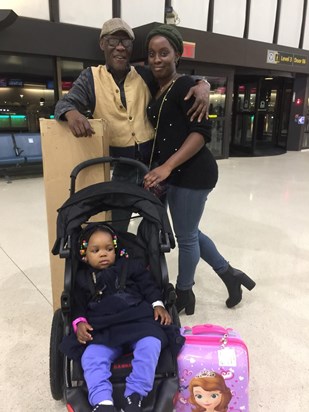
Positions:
{"x": 291, "y": 59}
{"x": 15, "y": 82}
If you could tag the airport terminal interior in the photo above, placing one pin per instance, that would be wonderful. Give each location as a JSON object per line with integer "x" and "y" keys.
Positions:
{"x": 255, "y": 55}
{"x": 258, "y": 217}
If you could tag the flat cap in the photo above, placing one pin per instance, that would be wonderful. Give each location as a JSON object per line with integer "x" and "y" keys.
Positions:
{"x": 113, "y": 25}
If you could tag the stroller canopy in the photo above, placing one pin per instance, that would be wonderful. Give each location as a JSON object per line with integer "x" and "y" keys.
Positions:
{"x": 106, "y": 196}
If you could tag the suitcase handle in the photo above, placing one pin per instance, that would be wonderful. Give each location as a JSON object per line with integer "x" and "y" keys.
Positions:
{"x": 207, "y": 328}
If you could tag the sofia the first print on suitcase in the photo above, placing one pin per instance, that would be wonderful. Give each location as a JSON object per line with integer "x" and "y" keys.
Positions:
{"x": 213, "y": 370}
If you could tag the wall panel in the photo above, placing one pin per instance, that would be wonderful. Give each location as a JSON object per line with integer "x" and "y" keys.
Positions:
{"x": 229, "y": 17}
{"x": 90, "y": 13}
{"x": 192, "y": 14}
{"x": 262, "y": 20}
{"x": 38, "y": 9}
{"x": 139, "y": 12}
{"x": 290, "y": 22}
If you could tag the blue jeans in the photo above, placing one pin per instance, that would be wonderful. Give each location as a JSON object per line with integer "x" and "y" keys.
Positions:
{"x": 186, "y": 208}
{"x": 97, "y": 360}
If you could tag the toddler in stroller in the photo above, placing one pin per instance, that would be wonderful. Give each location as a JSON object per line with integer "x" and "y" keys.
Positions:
{"x": 117, "y": 306}
{"x": 114, "y": 304}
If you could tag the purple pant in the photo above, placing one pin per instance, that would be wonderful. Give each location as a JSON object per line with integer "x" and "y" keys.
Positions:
{"x": 97, "y": 360}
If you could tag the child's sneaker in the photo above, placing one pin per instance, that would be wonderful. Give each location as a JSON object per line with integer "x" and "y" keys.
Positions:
{"x": 133, "y": 403}
{"x": 104, "y": 408}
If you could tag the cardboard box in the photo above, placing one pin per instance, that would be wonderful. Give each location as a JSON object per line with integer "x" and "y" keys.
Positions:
{"x": 62, "y": 151}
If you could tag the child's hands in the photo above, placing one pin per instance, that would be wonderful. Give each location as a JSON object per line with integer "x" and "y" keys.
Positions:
{"x": 82, "y": 333}
{"x": 162, "y": 313}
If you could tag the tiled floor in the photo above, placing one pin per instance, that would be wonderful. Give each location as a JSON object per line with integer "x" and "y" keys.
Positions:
{"x": 258, "y": 216}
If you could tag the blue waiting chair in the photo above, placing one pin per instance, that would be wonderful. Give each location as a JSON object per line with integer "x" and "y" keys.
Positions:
{"x": 29, "y": 146}
{"x": 9, "y": 153}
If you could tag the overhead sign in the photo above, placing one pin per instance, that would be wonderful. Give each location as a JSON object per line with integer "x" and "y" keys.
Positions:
{"x": 291, "y": 59}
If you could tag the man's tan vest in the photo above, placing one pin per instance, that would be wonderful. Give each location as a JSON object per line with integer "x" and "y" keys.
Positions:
{"x": 123, "y": 126}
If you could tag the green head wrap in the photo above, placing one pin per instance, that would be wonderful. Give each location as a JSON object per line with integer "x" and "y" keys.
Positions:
{"x": 170, "y": 33}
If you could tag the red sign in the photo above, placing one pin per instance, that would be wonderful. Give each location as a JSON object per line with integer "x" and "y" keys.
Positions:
{"x": 188, "y": 50}
{"x": 66, "y": 85}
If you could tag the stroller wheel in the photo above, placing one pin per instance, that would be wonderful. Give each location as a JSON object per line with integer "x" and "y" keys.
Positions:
{"x": 56, "y": 372}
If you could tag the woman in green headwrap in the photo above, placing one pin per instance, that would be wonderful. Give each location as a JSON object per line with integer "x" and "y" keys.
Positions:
{"x": 188, "y": 167}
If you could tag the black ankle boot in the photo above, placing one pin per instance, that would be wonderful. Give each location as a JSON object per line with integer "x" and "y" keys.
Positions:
{"x": 185, "y": 300}
{"x": 233, "y": 279}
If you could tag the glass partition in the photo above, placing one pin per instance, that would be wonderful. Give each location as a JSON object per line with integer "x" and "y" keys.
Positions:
{"x": 26, "y": 92}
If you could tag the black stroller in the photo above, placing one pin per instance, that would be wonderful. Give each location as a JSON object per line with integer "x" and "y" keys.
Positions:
{"x": 152, "y": 240}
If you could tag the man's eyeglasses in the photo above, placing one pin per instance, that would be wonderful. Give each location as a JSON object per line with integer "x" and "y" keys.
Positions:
{"x": 115, "y": 41}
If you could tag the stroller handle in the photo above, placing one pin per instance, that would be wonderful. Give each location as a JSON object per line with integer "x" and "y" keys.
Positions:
{"x": 98, "y": 160}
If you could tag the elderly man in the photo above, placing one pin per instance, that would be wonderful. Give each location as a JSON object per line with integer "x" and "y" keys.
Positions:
{"x": 119, "y": 93}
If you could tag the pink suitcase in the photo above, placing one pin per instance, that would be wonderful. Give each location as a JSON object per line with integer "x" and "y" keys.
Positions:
{"x": 213, "y": 371}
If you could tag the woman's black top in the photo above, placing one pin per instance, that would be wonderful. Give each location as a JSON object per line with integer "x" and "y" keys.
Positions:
{"x": 199, "y": 172}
